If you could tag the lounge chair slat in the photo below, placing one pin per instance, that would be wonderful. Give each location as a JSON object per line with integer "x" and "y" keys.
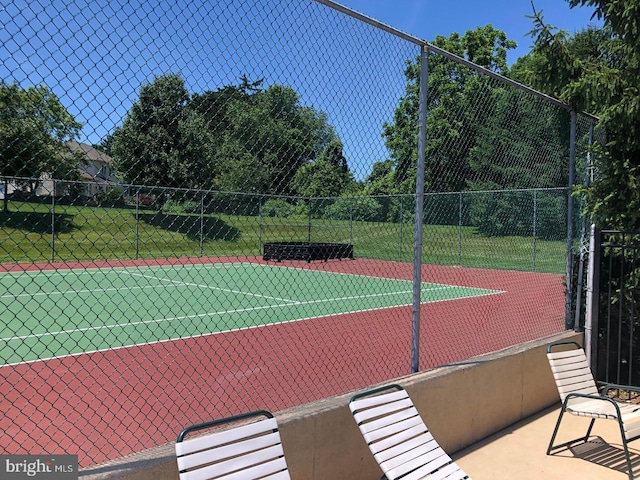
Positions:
{"x": 376, "y": 411}
{"x": 430, "y": 461}
{"x": 368, "y": 402}
{"x": 225, "y": 436}
{"x": 228, "y": 451}
{"x": 389, "y": 422}
{"x": 245, "y": 447}
{"x": 252, "y": 471}
{"x": 399, "y": 439}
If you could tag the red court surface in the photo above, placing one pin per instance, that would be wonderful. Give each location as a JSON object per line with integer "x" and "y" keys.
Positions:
{"x": 109, "y": 404}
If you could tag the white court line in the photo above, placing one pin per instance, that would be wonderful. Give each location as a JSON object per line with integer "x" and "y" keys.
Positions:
{"x": 92, "y": 269}
{"x": 212, "y": 287}
{"x": 207, "y": 266}
{"x": 251, "y": 327}
{"x": 363, "y": 275}
{"x": 126, "y": 271}
{"x": 66, "y": 292}
{"x": 241, "y": 310}
{"x": 129, "y": 288}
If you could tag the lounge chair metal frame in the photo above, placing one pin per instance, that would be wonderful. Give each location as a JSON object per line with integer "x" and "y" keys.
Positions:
{"x": 580, "y": 396}
{"x": 398, "y": 438}
{"x": 250, "y": 450}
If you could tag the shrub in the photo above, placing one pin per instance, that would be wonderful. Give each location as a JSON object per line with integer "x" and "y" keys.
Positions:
{"x": 109, "y": 195}
{"x": 190, "y": 206}
{"x": 282, "y": 209}
{"x": 514, "y": 213}
{"x": 364, "y": 209}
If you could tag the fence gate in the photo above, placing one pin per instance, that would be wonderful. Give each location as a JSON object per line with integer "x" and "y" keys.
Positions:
{"x": 615, "y": 333}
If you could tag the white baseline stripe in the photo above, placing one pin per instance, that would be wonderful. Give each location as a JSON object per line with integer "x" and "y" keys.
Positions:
{"x": 212, "y": 287}
{"x": 66, "y": 292}
{"x": 295, "y": 320}
{"x": 212, "y": 314}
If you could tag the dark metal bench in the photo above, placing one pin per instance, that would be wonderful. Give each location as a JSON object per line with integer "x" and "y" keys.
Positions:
{"x": 308, "y": 251}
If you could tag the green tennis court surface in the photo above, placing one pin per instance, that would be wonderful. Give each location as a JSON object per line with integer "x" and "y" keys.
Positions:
{"x": 56, "y": 313}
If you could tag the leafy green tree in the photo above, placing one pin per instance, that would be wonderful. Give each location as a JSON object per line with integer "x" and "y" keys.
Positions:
{"x": 605, "y": 82}
{"x": 523, "y": 144}
{"x": 34, "y": 129}
{"x": 104, "y": 145}
{"x": 161, "y": 141}
{"x": 328, "y": 176}
{"x": 239, "y": 138}
{"x": 380, "y": 180}
{"x": 275, "y": 136}
{"x": 361, "y": 209}
{"x": 453, "y": 110}
{"x": 214, "y": 105}
{"x": 238, "y": 169}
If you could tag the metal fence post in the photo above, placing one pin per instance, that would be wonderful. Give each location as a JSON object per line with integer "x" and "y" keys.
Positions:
{"x": 417, "y": 247}
{"x": 137, "y": 223}
{"x": 309, "y": 221}
{"x": 535, "y": 224}
{"x": 351, "y": 221}
{"x": 201, "y": 224}
{"x": 53, "y": 221}
{"x": 460, "y": 229}
{"x": 593, "y": 289}
{"x": 572, "y": 173}
{"x": 583, "y": 230}
{"x": 260, "y": 244}
{"x": 400, "y": 233}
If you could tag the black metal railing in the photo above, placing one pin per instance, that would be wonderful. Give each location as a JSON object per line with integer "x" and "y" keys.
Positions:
{"x": 615, "y": 329}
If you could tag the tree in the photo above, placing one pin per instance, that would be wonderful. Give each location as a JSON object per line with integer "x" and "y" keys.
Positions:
{"x": 378, "y": 182}
{"x": 605, "y": 81}
{"x": 328, "y": 176}
{"x": 104, "y": 145}
{"x": 34, "y": 129}
{"x": 214, "y": 105}
{"x": 276, "y": 136}
{"x": 161, "y": 141}
{"x": 453, "y": 110}
{"x": 522, "y": 144}
{"x": 239, "y": 138}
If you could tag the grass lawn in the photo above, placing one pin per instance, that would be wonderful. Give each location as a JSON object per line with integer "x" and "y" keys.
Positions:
{"x": 93, "y": 233}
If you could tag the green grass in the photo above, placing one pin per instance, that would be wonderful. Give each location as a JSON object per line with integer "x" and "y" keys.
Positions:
{"x": 90, "y": 233}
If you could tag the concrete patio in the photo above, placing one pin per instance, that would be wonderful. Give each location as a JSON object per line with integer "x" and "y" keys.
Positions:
{"x": 519, "y": 452}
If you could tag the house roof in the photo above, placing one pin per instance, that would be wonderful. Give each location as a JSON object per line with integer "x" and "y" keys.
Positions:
{"x": 91, "y": 154}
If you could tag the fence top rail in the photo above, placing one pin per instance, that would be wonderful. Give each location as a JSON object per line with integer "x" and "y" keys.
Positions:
{"x": 515, "y": 190}
{"x": 373, "y": 22}
{"x": 432, "y": 48}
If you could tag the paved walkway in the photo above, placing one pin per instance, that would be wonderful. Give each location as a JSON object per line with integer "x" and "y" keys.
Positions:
{"x": 519, "y": 452}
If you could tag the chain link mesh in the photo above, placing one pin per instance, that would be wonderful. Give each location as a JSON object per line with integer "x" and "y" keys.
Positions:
{"x": 151, "y": 153}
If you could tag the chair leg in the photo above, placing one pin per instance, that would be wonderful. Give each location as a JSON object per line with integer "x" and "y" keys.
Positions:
{"x": 586, "y": 437}
{"x": 626, "y": 450}
{"x": 553, "y": 447}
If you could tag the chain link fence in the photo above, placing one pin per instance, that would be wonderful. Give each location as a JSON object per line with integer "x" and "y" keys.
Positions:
{"x": 150, "y": 152}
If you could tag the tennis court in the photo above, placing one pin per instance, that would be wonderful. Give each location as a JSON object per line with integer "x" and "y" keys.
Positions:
{"x": 65, "y": 312}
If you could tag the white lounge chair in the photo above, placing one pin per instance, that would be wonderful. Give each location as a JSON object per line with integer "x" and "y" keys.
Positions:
{"x": 398, "y": 438}
{"x": 580, "y": 396}
{"x": 249, "y": 450}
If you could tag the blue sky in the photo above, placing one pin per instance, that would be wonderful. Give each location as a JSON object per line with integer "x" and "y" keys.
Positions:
{"x": 426, "y": 19}
{"x": 96, "y": 54}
